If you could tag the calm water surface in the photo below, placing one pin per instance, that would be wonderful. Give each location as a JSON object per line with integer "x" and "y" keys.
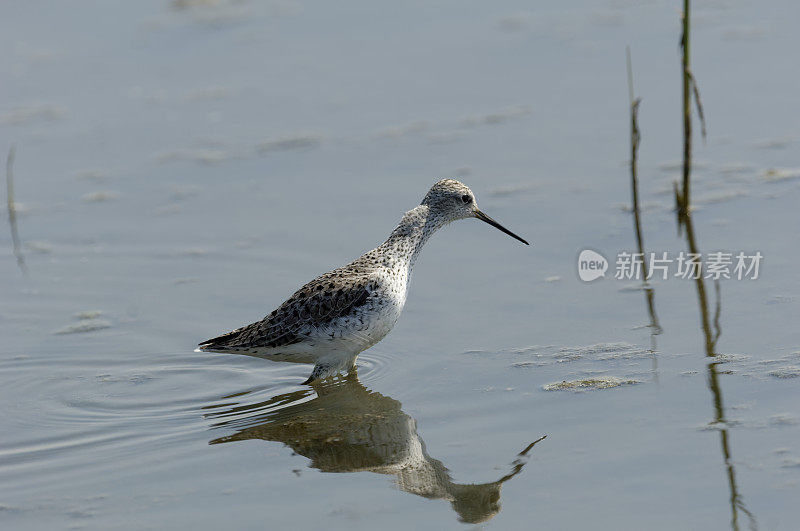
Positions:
{"x": 182, "y": 166}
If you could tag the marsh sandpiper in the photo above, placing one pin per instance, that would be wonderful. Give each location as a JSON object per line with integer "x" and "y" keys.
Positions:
{"x": 336, "y": 316}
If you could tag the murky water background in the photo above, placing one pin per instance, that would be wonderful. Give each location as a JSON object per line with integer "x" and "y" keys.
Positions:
{"x": 182, "y": 166}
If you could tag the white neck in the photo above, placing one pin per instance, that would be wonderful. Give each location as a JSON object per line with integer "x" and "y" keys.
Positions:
{"x": 407, "y": 239}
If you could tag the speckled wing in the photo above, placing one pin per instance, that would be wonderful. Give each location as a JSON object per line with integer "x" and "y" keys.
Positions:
{"x": 314, "y": 306}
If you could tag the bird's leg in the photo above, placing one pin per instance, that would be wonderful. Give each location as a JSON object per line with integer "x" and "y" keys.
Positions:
{"x": 322, "y": 371}
{"x": 352, "y": 374}
{"x": 329, "y": 367}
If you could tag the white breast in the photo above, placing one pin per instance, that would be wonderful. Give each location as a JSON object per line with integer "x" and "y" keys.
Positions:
{"x": 378, "y": 316}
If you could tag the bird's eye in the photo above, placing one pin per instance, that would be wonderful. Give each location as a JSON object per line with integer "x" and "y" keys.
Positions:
{"x": 466, "y": 199}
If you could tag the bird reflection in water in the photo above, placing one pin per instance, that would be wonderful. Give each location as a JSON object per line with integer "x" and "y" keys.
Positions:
{"x": 349, "y": 428}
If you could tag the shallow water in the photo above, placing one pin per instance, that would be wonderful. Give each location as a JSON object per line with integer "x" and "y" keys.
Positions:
{"x": 182, "y": 166}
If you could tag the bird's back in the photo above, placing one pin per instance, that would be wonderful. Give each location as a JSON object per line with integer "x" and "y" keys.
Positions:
{"x": 350, "y": 308}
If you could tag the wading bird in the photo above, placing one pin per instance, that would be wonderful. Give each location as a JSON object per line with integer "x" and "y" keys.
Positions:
{"x": 336, "y": 316}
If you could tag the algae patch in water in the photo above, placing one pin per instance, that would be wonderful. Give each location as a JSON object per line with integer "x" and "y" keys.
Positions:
{"x": 589, "y": 384}
{"x": 774, "y": 175}
{"x": 782, "y": 419}
{"x": 786, "y": 372}
{"x": 83, "y": 326}
{"x": 89, "y": 314}
{"x": 100, "y": 196}
{"x": 791, "y": 462}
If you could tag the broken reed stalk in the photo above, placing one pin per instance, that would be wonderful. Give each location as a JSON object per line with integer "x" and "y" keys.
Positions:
{"x": 711, "y": 336}
{"x": 12, "y": 210}
{"x": 690, "y": 90}
{"x": 637, "y": 222}
{"x": 684, "y": 197}
{"x": 634, "y": 108}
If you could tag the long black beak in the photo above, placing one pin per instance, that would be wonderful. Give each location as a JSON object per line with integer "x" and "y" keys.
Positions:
{"x": 483, "y": 217}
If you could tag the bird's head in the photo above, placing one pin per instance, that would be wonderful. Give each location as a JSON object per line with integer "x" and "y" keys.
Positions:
{"x": 452, "y": 200}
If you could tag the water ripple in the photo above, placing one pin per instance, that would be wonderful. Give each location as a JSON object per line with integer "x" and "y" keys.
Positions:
{"x": 82, "y": 415}
{"x": 374, "y": 365}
